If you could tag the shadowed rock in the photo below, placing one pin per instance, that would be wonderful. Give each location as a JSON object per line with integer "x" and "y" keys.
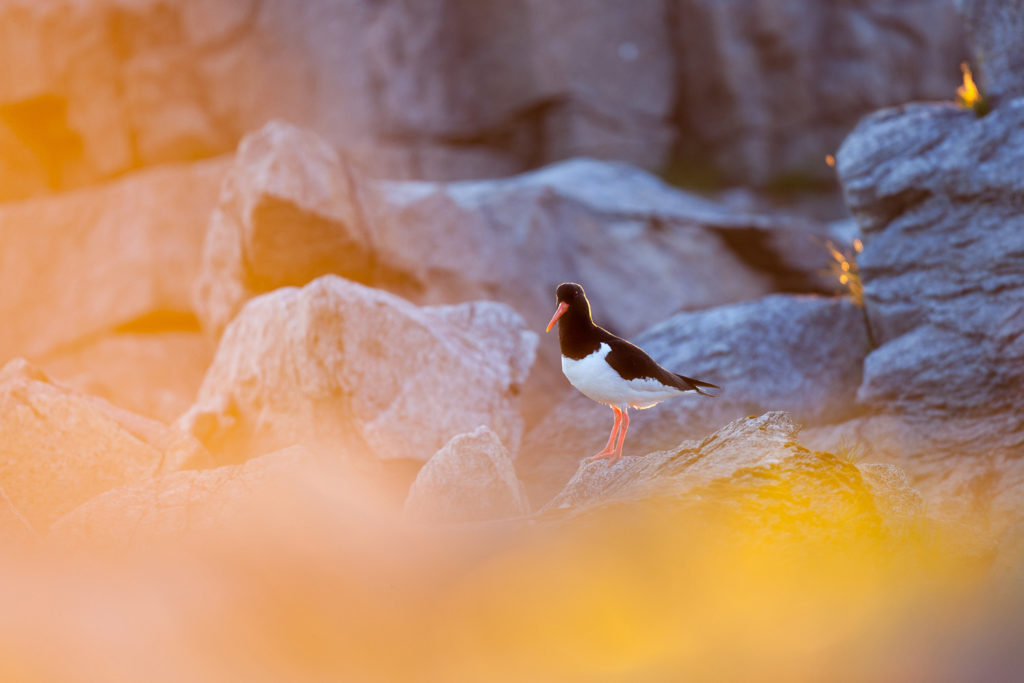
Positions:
{"x": 287, "y": 214}
{"x": 470, "y": 479}
{"x": 357, "y": 369}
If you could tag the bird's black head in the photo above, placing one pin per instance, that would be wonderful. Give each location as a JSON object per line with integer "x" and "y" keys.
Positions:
{"x": 570, "y": 297}
{"x": 570, "y": 293}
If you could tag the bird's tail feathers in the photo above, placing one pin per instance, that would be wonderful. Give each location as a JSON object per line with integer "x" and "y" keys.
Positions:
{"x": 701, "y": 387}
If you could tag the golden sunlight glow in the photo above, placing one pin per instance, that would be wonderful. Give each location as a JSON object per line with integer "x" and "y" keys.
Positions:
{"x": 830, "y": 161}
{"x": 968, "y": 94}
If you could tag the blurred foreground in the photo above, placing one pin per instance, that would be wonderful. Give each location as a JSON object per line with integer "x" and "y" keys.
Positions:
{"x": 286, "y": 569}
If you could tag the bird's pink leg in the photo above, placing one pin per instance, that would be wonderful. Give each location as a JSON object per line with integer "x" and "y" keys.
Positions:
{"x": 609, "y": 448}
{"x": 623, "y": 426}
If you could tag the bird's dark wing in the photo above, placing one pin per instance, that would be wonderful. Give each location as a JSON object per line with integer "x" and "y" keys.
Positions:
{"x": 632, "y": 362}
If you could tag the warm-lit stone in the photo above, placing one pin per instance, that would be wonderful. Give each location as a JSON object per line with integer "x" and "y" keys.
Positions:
{"x": 471, "y": 479}
{"x": 357, "y": 370}
{"x": 59, "y": 448}
{"x": 86, "y": 262}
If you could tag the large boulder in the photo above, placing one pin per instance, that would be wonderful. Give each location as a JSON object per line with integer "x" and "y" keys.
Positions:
{"x": 93, "y": 260}
{"x": 288, "y": 212}
{"x": 470, "y": 479}
{"x": 355, "y": 369}
{"x": 59, "y": 448}
{"x": 797, "y": 353}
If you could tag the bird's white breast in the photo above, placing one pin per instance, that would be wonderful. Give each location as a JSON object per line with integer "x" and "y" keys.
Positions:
{"x": 599, "y": 382}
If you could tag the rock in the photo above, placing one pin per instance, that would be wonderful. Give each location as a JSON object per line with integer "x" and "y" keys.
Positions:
{"x": 754, "y": 467}
{"x": 287, "y": 213}
{"x": 964, "y": 480}
{"x": 994, "y": 28}
{"x": 936, "y": 192}
{"x": 470, "y": 479}
{"x": 93, "y": 260}
{"x": 13, "y": 525}
{"x": 361, "y": 371}
{"x": 513, "y": 240}
{"x": 797, "y": 353}
{"x": 153, "y": 373}
{"x": 772, "y": 87}
{"x": 179, "y": 503}
{"x": 458, "y": 89}
{"x": 58, "y": 448}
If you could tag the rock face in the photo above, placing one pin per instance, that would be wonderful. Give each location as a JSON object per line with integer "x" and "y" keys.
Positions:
{"x": 753, "y": 467}
{"x": 458, "y": 89}
{"x": 772, "y": 87}
{"x": 994, "y": 28}
{"x": 935, "y": 190}
{"x": 92, "y": 260}
{"x": 470, "y": 479}
{"x": 340, "y": 365}
{"x": 59, "y": 448}
{"x": 801, "y": 354}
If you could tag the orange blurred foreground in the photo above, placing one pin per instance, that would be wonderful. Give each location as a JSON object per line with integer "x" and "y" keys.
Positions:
{"x": 300, "y": 575}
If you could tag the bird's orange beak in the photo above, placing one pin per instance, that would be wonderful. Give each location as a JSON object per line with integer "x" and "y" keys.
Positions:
{"x": 562, "y": 308}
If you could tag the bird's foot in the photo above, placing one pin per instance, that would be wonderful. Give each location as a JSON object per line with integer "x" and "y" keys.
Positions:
{"x": 609, "y": 455}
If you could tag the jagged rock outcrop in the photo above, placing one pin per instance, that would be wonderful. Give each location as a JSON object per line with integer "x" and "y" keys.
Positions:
{"x": 796, "y": 353}
{"x": 361, "y": 371}
{"x": 753, "y": 467}
{"x": 471, "y": 479}
{"x": 89, "y": 261}
{"x": 59, "y": 448}
{"x": 935, "y": 190}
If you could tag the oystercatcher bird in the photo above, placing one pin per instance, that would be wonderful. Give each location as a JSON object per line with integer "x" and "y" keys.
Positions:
{"x": 609, "y": 369}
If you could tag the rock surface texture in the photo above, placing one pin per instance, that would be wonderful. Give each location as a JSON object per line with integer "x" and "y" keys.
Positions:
{"x": 753, "y": 467}
{"x": 798, "y": 353}
{"x": 512, "y": 240}
{"x": 59, "y": 448}
{"x": 343, "y": 366}
{"x": 994, "y": 28}
{"x": 471, "y": 479}
{"x": 936, "y": 191}
{"x": 92, "y": 260}
{"x": 457, "y": 88}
